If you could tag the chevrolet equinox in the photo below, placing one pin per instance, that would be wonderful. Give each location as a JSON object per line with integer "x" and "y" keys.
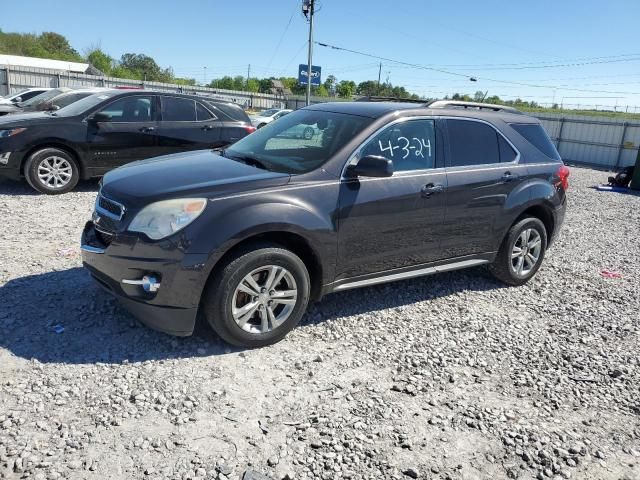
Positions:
{"x": 251, "y": 234}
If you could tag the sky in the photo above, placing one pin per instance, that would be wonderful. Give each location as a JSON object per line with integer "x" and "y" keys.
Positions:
{"x": 565, "y": 51}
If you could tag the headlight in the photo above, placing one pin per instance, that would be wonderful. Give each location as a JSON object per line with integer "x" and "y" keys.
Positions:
{"x": 11, "y": 132}
{"x": 161, "y": 219}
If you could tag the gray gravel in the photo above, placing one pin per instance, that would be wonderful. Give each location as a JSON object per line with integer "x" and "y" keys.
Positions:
{"x": 450, "y": 376}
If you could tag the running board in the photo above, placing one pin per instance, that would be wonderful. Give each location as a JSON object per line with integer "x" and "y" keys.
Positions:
{"x": 410, "y": 274}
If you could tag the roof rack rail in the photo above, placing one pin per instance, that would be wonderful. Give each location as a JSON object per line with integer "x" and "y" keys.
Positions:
{"x": 375, "y": 98}
{"x": 479, "y": 106}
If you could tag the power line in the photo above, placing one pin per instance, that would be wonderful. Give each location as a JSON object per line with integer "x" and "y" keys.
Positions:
{"x": 458, "y": 74}
{"x": 286, "y": 28}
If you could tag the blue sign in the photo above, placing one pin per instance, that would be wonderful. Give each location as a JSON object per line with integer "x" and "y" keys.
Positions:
{"x": 303, "y": 75}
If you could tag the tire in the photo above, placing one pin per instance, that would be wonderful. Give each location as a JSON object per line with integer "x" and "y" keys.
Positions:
{"x": 224, "y": 292}
{"x": 518, "y": 270}
{"x": 261, "y": 125}
{"x": 308, "y": 133}
{"x": 64, "y": 167}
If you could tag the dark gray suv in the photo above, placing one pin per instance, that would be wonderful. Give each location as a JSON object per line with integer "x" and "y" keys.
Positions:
{"x": 381, "y": 192}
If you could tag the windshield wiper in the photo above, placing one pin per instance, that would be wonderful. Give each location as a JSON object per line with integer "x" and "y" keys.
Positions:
{"x": 246, "y": 159}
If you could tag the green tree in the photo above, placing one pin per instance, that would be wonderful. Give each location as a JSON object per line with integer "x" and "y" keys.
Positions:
{"x": 253, "y": 85}
{"x": 265, "y": 85}
{"x": 145, "y": 67}
{"x": 330, "y": 84}
{"x": 321, "y": 91}
{"x": 101, "y": 61}
{"x": 346, "y": 88}
{"x": 238, "y": 82}
{"x": 225, "y": 83}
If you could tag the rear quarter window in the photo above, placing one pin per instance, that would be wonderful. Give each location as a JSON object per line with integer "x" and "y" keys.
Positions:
{"x": 234, "y": 112}
{"x": 536, "y": 135}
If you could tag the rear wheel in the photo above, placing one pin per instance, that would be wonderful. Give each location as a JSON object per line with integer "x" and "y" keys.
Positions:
{"x": 261, "y": 125}
{"x": 51, "y": 171}
{"x": 257, "y": 297}
{"x": 521, "y": 253}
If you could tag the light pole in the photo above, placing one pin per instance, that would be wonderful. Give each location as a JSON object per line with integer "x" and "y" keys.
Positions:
{"x": 308, "y": 10}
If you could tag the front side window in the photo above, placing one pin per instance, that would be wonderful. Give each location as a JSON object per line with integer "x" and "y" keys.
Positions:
{"x": 202, "y": 113}
{"x": 472, "y": 143}
{"x": 176, "y": 109}
{"x": 298, "y": 142}
{"x": 411, "y": 145}
{"x": 131, "y": 109}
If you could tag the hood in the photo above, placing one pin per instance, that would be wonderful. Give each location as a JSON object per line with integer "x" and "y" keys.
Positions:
{"x": 260, "y": 119}
{"x": 9, "y": 108}
{"x": 202, "y": 173}
{"x": 24, "y": 119}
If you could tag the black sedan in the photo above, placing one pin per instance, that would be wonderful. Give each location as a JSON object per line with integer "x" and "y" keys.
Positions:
{"x": 54, "y": 150}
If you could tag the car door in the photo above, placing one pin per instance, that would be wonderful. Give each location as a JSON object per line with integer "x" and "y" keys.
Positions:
{"x": 482, "y": 170}
{"x": 125, "y": 132}
{"x": 394, "y": 222}
{"x": 186, "y": 124}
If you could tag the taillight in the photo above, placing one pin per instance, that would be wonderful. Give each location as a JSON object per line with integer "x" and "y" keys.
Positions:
{"x": 249, "y": 129}
{"x": 563, "y": 175}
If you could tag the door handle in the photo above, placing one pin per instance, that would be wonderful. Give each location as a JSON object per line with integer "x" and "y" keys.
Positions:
{"x": 431, "y": 188}
{"x": 207, "y": 127}
{"x": 147, "y": 129}
{"x": 508, "y": 177}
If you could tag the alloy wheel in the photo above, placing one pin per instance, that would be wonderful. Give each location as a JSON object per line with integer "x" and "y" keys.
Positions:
{"x": 55, "y": 172}
{"x": 264, "y": 299}
{"x": 526, "y": 251}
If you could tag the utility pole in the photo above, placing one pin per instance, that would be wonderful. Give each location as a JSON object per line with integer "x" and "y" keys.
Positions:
{"x": 308, "y": 9}
{"x": 205, "y": 76}
{"x": 379, "y": 74}
{"x": 248, "y": 75}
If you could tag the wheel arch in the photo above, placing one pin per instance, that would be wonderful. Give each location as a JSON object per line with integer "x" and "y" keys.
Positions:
{"x": 293, "y": 241}
{"x": 60, "y": 146}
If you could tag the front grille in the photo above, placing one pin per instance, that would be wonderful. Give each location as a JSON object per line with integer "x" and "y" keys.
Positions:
{"x": 109, "y": 206}
{"x": 105, "y": 223}
{"x": 104, "y": 238}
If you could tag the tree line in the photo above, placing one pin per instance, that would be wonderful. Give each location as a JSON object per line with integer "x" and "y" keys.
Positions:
{"x": 142, "y": 67}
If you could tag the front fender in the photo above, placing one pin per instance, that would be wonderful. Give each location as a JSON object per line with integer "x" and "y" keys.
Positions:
{"x": 229, "y": 222}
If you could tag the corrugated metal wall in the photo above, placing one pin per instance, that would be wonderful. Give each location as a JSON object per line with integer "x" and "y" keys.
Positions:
{"x": 605, "y": 142}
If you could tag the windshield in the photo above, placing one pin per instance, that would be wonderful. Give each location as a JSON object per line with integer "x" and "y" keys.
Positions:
{"x": 269, "y": 113}
{"x": 14, "y": 95}
{"x": 81, "y": 106}
{"x": 43, "y": 97}
{"x": 298, "y": 142}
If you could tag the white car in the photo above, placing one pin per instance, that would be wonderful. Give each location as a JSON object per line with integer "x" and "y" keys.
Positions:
{"x": 268, "y": 116}
{"x": 22, "y": 95}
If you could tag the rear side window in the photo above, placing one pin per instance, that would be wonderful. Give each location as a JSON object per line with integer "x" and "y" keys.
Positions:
{"x": 472, "y": 143}
{"x": 537, "y": 136}
{"x": 202, "y": 113}
{"x": 175, "y": 109}
{"x": 234, "y": 112}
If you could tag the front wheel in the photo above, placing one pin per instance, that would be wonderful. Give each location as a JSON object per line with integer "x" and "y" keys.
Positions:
{"x": 51, "y": 171}
{"x": 258, "y": 296}
{"x": 521, "y": 252}
{"x": 308, "y": 133}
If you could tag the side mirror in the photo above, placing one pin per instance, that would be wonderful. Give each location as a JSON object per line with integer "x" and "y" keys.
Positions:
{"x": 53, "y": 108}
{"x": 99, "y": 117}
{"x": 371, "y": 166}
{"x": 17, "y": 100}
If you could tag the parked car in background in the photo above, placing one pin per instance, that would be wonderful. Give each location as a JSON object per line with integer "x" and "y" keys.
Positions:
{"x": 268, "y": 116}
{"x": 53, "y": 150}
{"x": 63, "y": 99}
{"x": 33, "y": 102}
{"x": 384, "y": 192}
{"x": 22, "y": 95}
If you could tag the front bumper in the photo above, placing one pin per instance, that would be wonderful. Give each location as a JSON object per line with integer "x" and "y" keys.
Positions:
{"x": 173, "y": 308}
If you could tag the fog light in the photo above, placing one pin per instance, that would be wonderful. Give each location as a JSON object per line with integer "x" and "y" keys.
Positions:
{"x": 149, "y": 283}
{"x": 4, "y": 158}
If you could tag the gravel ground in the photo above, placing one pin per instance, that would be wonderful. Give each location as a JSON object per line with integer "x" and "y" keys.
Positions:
{"x": 449, "y": 376}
